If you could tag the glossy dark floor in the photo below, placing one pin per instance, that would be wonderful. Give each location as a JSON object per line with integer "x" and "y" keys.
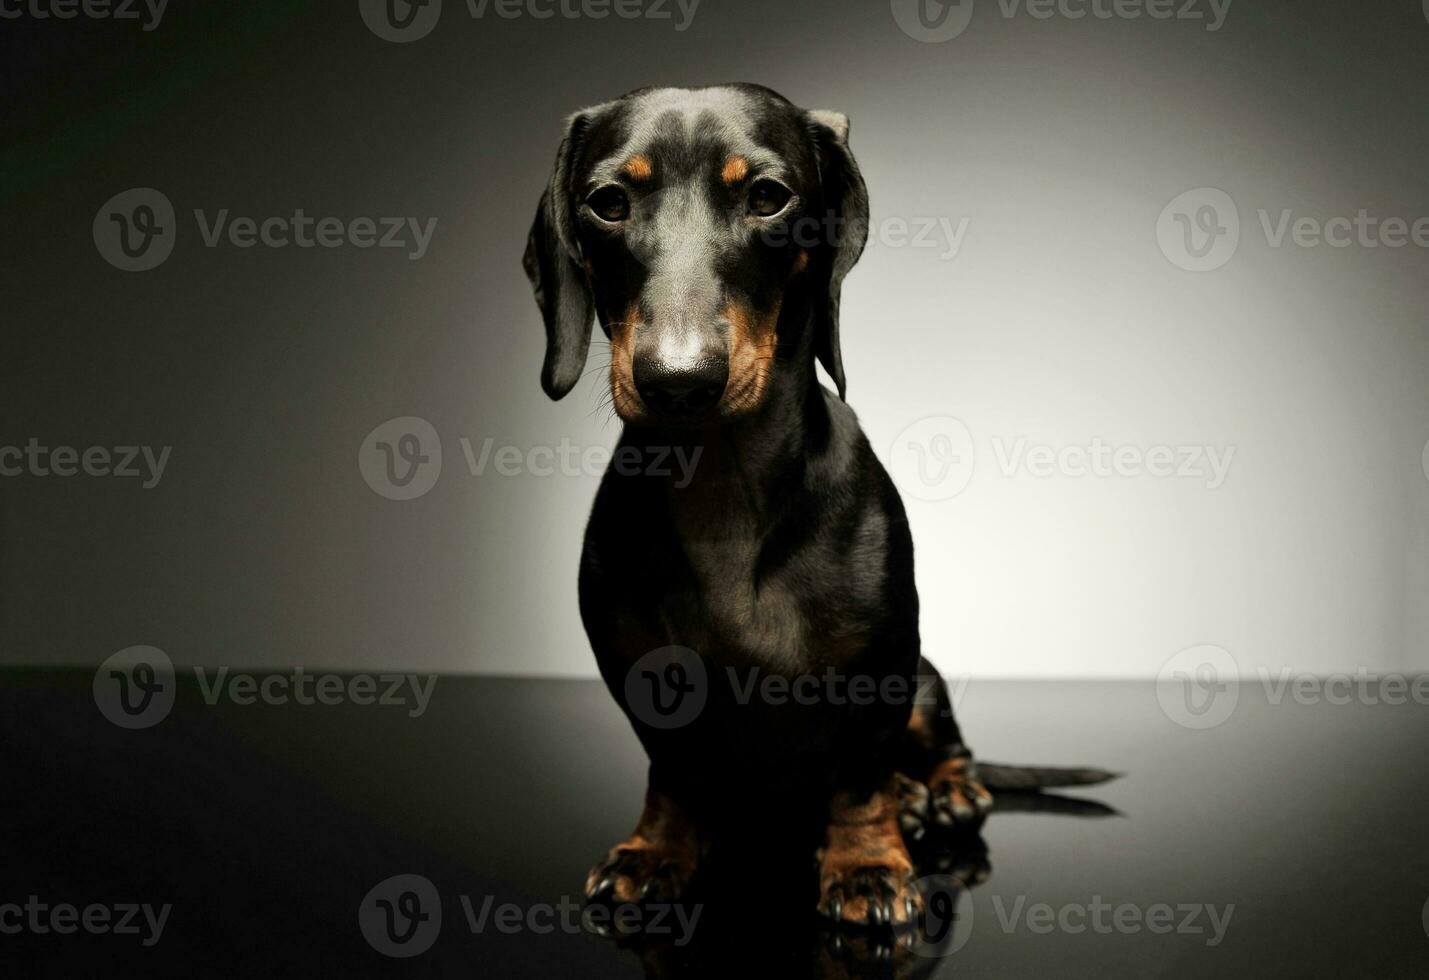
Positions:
{"x": 1287, "y": 841}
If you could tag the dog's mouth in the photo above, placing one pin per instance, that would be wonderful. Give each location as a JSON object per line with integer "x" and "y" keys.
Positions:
{"x": 669, "y": 409}
{"x": 699, "y": 406}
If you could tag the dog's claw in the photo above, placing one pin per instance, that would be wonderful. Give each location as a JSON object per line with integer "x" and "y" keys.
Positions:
{"x": 872, "y": 896}
{"x": 878, "y": 911}
{"x": 640, "y": 875}
{"x": 603, "y": 889}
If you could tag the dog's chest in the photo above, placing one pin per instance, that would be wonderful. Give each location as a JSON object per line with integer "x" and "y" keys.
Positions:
{"x": 762, "y": 614}
{"x": 746, "y": 583}
{"x": 722, "y": 547}
{"x": 736, "y": 599}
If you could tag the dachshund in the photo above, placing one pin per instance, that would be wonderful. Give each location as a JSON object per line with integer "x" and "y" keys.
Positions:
{"x": 768, "y": 595}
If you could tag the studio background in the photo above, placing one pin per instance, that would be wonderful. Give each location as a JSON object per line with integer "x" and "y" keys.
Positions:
{"x": 1060, "y": 320}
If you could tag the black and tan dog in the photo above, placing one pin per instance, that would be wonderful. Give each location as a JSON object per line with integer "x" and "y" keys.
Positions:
{"x": 709, "y": 232}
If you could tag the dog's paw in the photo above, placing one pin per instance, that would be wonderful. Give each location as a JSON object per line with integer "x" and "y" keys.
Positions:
{"x": 874, "y": 895}
{"x": 956, "y": 798}
{"x": 640, "y": 873}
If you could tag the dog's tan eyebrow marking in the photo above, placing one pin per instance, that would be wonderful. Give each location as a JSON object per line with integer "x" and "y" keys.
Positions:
{"x": 639, "y": 167}
{"x": 735, "y": 170}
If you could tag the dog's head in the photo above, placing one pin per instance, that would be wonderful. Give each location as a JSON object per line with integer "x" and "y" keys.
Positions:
{"x": 709, "y": 230}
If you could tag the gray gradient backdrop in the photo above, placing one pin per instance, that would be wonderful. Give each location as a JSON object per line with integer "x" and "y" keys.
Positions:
{"x": 1059, "y": 321}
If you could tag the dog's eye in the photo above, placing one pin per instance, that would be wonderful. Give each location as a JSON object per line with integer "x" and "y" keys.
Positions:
{"x": 609, "y": 204}
{"x": 767, "y": 198}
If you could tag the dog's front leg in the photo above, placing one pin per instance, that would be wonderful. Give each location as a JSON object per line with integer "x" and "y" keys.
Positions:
{"x": 655, "y": 863}
{"x": 865, "y": 872}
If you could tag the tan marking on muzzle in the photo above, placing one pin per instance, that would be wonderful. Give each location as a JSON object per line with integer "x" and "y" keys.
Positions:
{"x": 753, "y": 337}
{"x": 623, "y": 395}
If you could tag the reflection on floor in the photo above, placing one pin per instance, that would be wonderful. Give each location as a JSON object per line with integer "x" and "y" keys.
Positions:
{"x": 290, "y": 839}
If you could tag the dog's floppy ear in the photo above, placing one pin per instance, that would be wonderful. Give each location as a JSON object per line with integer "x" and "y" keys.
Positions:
{"x": 554, "y": 265}
{"x": 846, "y": 198}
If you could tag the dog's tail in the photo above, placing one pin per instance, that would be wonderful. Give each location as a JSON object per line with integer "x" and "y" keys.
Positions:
{"x": 1026, "y": 779}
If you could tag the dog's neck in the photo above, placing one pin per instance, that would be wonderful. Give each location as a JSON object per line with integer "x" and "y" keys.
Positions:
{"x": 741, "y": 465}
{"x": 742, "y": 489}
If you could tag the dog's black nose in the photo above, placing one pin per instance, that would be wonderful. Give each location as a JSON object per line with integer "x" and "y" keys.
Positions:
{"x": 685, "y": 391}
